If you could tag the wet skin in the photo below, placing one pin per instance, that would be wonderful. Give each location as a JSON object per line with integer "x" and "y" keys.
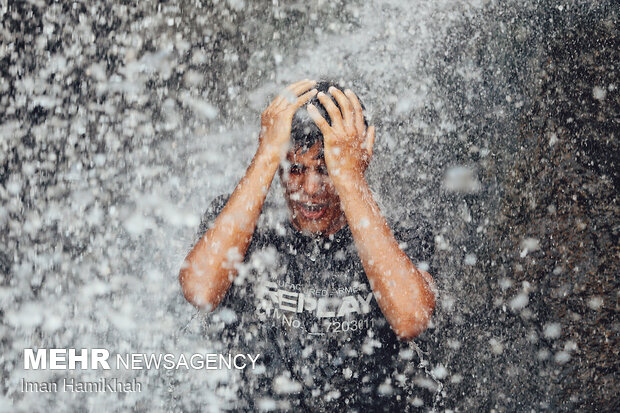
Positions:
{"x": 310, "y": 194}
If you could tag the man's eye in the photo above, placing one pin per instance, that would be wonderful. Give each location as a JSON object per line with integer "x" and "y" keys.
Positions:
{"x": 294, "y": 169}
{"x": 322, "y": 170}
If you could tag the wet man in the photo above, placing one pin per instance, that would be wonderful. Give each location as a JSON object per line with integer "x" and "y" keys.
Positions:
{"x": 325, "y": 294}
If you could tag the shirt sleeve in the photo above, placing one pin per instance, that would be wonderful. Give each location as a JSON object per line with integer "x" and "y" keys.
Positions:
{"x": 209, "y": 216}
{"x": 224, "y": 309}
{"x": 415, "y": 236}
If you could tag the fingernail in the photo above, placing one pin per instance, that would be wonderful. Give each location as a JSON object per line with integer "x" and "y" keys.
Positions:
{"x": 331, "y": 89}
{"x": 320, "y": 94}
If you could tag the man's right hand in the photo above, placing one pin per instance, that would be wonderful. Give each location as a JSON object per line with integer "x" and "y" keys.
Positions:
{"x": 277, "y": 119}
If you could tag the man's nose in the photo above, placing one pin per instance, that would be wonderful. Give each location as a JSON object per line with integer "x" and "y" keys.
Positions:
{"x": 312, "y": 182}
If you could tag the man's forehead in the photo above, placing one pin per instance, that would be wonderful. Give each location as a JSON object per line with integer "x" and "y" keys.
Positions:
{"x": 305, "y": 154}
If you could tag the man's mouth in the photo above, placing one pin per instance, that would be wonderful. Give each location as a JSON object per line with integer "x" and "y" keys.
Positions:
{"x": 311, "y": 210}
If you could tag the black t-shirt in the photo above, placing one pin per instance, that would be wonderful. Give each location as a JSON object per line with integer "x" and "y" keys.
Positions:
{"x": 304, "y": 303}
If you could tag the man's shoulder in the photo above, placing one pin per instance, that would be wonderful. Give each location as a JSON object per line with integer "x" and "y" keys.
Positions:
{"x": 414, "y": 233}
{"x": 210, "y": 214}
{"x": 271, "y": 221}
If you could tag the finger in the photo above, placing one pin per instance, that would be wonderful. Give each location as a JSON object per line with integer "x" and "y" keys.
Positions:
{"x": 303, "y": 99}
{"x": 357, "y": 110}
{"x": 291, "y": 93}
{"x": 279, "y": 100}
{"x": 345, "y": 106}
{"x": 302, "y": 86}
{"x": 319, "y": 120}
{"x": 276, "y": 101}
{"x": 288, "y": 97}
{"x": 332, "y": 109}
{"x": 298, "y": 83}
{"x": 370, "y": 140}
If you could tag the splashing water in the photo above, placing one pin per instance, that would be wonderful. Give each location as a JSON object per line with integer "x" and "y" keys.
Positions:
{"x": 119, "y": 125}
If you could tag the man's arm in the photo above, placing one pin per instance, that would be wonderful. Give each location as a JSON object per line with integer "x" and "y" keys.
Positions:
{"x": 404, "y": 293}
{"x": 209, "y": 268}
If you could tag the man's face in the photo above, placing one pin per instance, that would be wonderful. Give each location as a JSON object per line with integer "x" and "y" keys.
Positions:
{"x": 312, "y": 199}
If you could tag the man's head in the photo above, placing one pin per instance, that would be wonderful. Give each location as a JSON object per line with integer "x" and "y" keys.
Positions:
{"x": 312, "y": 199}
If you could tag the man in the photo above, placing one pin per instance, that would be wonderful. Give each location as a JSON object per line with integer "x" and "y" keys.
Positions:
{"x": 325, "y": 294}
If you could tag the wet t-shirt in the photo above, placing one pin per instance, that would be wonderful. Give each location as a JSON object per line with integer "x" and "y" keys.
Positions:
{"x": 305, "y": 305}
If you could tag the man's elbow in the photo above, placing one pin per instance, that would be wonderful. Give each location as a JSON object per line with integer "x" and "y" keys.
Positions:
{"x": 193, "y": 291}
{"x": 412, "y": 325}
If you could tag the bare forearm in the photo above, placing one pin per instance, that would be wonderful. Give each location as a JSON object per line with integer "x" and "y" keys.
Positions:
{"x": 209, "y": 268}
{"x": 403, "y": 292}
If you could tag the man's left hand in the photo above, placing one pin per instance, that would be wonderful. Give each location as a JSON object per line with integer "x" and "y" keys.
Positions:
{"x": 347, "y": 142}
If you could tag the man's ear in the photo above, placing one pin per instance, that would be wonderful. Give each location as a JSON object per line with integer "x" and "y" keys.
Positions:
{"x": 283, "y": 170}
{"x": 370, "y": 141}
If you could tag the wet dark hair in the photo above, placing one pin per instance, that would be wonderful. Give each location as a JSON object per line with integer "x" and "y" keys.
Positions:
{"x": 304, "y": 132}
